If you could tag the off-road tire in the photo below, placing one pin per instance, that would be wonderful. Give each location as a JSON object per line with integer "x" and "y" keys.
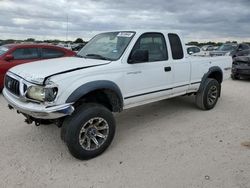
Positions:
{"x": 203, "y": 96}
{"x": 73, "y": 125}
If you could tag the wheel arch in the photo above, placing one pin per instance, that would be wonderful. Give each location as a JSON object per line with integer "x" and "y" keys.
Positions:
{"x": 214, "y": 72}
{"x": 104, "y": 92}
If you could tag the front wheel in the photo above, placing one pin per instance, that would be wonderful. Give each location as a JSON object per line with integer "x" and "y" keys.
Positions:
{"x": 208, "y": 94}
{"x": 89, "y": 131}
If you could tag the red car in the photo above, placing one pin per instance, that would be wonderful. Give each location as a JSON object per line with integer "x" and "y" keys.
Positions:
{"x": 16, "y": 54}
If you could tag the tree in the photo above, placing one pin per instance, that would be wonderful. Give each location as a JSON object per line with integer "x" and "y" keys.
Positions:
{"x": 30, "y": 40}
{"x": 193, "y": 43}
{"x": 78, "y": 40}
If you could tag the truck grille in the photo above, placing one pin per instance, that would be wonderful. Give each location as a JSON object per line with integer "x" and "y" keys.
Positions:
{"x": 12, "y": 85}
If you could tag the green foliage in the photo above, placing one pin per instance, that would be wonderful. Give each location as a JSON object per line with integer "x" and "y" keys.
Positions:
{"x": 79, "y": 40}
{"x": 30, "y": 40}
{"x": 200, "y": 44}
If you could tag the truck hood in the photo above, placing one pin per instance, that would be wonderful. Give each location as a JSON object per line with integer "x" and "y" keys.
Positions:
{"x": 244, "y": 59}
{"x": 38, "y": 71}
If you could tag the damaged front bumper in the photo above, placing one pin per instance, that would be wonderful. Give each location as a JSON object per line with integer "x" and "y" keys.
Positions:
{"x": 38, "y": 111}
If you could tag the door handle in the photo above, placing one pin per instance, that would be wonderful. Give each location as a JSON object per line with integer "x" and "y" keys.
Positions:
{"x": 167, "y": 69}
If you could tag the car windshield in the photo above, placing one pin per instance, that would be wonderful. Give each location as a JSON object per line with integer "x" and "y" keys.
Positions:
{"x": 107, "y": 46}
{"x": 3, "y": 50}
{"x": 227, "y": 47}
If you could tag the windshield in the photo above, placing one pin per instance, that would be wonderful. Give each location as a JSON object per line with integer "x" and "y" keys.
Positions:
{"x": 108, "y": 46}
{"x": 3, "y": 50}
{"x": 227, "y": 47}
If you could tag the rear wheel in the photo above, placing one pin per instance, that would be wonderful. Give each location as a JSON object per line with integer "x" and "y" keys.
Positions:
{"x": 89, "y": 131}
{"x": 208, "y": 94}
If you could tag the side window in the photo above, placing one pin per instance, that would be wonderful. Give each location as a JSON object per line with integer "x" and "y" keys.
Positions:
{"x": 176, "y": 47}
{"x": 25, "y": 53}
{"x": 51, "y": 53}
{"x": 155, "y": 44}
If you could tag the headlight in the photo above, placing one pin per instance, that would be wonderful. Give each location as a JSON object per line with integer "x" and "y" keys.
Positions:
{"x": 41, "y": 93}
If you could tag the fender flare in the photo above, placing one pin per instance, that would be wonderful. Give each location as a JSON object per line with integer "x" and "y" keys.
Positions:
{"x": 92, "y": 86}
{"x": 210, "y": 71}
{"x": 206, "y": 75}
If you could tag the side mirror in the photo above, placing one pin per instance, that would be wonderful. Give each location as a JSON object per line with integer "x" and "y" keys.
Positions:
{"x": 8, "y": 57}
{"x": 138, "y": 56}
{"x": 190, "y": 52}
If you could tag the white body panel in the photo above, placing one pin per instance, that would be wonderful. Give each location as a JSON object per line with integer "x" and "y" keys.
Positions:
{"x": 139, "y": 83}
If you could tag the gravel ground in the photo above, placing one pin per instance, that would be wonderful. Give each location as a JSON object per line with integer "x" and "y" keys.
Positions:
{"x": 165, "y": 144}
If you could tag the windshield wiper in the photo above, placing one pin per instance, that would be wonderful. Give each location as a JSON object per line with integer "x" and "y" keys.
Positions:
{"x": 97, "y": 56}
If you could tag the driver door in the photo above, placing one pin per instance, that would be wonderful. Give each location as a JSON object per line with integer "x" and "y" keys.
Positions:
{"x": 151, "y": 79}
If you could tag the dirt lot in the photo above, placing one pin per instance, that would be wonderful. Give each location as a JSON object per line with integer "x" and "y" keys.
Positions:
{"x": 166, "y": 144}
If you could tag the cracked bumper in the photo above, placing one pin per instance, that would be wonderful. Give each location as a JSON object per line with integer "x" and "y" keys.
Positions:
{"x": 38, "y": 111}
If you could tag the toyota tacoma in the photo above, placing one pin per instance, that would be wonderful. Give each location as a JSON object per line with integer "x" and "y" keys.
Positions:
{"x": 114, "y": 71}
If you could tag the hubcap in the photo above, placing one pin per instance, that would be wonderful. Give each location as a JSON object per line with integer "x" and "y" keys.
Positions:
{"x": 212, "y": 95}
{"x": 93, "y": 133}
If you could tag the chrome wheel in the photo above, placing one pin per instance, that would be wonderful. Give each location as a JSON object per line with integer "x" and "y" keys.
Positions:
{"x": 212, "y": 95}
{"x": 93, "y": 133}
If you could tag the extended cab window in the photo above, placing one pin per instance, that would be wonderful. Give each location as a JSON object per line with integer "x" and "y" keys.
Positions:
{"x": 25, "y": 53}
{"x": 154, "y": 44}
{"x": 176, "y": 47}
{"x": 51, "y": 53}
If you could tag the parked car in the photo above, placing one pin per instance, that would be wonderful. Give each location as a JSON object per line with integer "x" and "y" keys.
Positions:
{"x": 242, "y": 53}
{"x": 114, "y": 71}
{"x": 207, "y": 48}
{"x": 224, "y": 49}
{"x": 203, "y": 51}
{"x": 191, "y": 49}
{"x": 229, "y": 49}
{"x": 65, "y": 45}
{"x": 215, "y": 48}
{"x": 16, "y": 54}
{"x": 77, "y": 47}
{"x": 241, "y": 50}
{"x": 241, "y": 65}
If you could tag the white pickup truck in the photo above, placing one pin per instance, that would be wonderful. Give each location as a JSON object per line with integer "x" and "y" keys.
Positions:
{"x": 114, "y": 71}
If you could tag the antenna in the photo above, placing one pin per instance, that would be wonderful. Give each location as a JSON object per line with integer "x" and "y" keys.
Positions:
{"x": 67, "y": 27}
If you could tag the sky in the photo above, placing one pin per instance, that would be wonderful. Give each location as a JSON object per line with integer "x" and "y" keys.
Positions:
{"x": 196, "y": 20}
